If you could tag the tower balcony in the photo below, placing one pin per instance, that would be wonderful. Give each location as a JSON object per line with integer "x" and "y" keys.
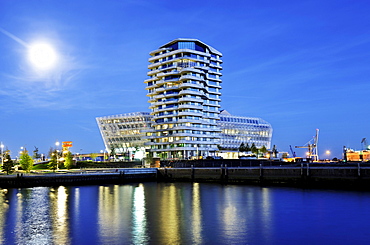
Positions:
{"x": 191, "y": 92}
{"x": 189, "y": 99}
{"x": 191, "y": 85}
{"x": 190, "y": 77}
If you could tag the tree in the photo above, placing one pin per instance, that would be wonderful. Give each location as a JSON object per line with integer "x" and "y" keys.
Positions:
{"x": 51, "y": 152}
{"x": 68, "y": 160}
{"x": 263, "y": 149}
{"x": 274, "y": 151}
{"x": 247, "y": 148}
{"x": 254, "y": 149}
{"x": 8, "y": 163}
{"x": 93, "y": 156}
{"x": 53, "y": 164}
{"x": 36, "y": 154}
{"x": 242, "y": 147}
{"x": 113, "y": 152}
{"x": 26, "y": 161}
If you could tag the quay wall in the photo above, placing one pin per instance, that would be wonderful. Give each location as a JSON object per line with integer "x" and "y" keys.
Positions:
{"x": 304, "y": 176}
{"x": 121, "y": 177}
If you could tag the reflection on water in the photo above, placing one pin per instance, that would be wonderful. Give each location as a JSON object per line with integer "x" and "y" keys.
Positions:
{"x": 196, "y": 223}
{"x": 59, "y": 214}
{"x": 4, "y": 202}
{"x": 33, "y": 225}
{"x": 181, "y": 213}
{"x": 139, "y": 226}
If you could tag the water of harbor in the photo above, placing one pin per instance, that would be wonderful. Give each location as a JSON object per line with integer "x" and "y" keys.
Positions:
{"x": 183, "y": 213}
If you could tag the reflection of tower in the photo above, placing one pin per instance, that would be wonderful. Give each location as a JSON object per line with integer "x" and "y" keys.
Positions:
{"x": 115, "y": 200}
{"x": 169, "y": 215}
{"x": 197, "y": 215}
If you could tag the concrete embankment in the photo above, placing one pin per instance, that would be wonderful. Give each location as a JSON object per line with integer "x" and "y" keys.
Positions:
{"x": 303, "y": 176}
{"x": 118, "y": 176}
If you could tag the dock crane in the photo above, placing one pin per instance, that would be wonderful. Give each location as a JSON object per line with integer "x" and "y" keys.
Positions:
{"x": 293, "y": 152}
{"x": 365, "y": 145}
{"x": 311, "y": 145}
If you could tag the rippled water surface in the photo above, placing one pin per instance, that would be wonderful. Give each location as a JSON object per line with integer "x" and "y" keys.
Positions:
{"x": 183, "y": 213}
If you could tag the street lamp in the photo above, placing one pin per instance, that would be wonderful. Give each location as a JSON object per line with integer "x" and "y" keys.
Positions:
{"x": 57, "y": 144}
{"x": 103, "y": 151}
{"x": 2, "y": 156}
{"x": 328, "y": 153}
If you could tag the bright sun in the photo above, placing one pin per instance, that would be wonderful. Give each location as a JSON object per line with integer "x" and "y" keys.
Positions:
{"x": 42, "y": 56}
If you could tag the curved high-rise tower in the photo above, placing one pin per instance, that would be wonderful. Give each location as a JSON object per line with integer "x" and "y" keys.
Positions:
{"x": 184, "y": 96}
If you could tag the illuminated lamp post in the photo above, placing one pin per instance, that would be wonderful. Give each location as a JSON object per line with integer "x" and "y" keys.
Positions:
{"x": 328, "y": 153}
{"x": 103, "y": 151}
{"x": 2, "y": 156}
{"x": 57, "y": 145}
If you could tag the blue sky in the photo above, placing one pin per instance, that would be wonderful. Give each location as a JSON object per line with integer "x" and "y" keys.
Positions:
{"x": 300, "y": 65}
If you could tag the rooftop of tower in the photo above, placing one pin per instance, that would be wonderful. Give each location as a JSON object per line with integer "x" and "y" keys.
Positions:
{"x": 213, "y": 50}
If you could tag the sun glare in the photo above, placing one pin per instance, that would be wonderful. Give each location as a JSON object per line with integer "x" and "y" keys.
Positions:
{"x": 42, "y": 56}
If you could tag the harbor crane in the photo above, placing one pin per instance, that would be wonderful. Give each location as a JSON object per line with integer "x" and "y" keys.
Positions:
{"x": 311, "y": 145}
{"x": 293, "y": 152}
{"x": 365, "y": 145}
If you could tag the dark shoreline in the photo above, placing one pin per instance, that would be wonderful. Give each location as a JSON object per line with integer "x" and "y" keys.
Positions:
{"x": 338, "y": 177}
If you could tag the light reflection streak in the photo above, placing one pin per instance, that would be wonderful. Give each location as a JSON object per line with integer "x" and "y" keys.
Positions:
{"x": 197, "y": 215}
{"x": 60, "y": 218}
{"x": 114, "y": 212}
{"x": 233, "y": 218}
{"x": 32, "y": 222}
{"x": 266, "y": 213}
{"x": 76, "y": 204}
{"x": 3, "y": 211}
{"x": 139, "y": 225}
{"x": 169, "y": 215}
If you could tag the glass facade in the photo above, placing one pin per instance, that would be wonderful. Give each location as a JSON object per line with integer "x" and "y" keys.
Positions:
{"x": 124, "y": 131}
{"x": 247, "y": 130}
{"x": 184, "y": 96}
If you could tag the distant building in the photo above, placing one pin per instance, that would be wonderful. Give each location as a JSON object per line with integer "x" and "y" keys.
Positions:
{"x": 358, "y": 156}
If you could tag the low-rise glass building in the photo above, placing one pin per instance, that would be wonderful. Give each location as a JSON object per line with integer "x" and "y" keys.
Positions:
{"x": 237, "y": 129}
{"x": 126, "y": 133}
